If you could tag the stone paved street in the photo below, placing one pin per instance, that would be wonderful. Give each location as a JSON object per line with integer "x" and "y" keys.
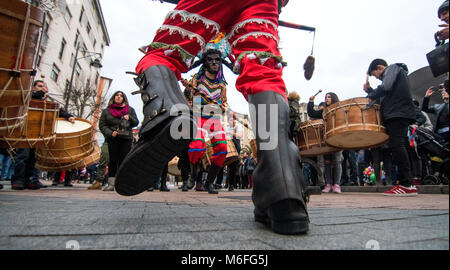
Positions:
{"x": 50, "y": 218}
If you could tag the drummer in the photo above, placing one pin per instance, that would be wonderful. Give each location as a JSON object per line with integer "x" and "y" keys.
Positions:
{"x": 398, "y": 112}
{"x": 333, "y": 162}
{"x": 26, "y": 175}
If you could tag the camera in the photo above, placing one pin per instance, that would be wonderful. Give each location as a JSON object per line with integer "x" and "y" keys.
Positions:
{"x": 438, "y": 58}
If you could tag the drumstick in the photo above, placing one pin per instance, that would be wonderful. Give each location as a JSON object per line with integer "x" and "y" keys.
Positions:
{"x": 318, "y": 92}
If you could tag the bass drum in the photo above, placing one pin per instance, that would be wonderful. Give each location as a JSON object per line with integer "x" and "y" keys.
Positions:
{"x": 311, "y": 139}
{"x": 352, "y": 125}
{"x": 39, "y": 128}
{"x": 73, "y": 143}
{"x": 21, "y": 25}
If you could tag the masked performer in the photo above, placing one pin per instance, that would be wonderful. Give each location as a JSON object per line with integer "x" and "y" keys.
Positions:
{"x": 252, "y": 29}
{"x": 208, "y": 88}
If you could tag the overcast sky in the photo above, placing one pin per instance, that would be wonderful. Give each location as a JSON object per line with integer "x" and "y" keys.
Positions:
{"x": 349, "y": 34}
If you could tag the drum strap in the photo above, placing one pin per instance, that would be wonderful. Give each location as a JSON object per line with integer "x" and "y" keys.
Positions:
{"x": 317, "y": 132}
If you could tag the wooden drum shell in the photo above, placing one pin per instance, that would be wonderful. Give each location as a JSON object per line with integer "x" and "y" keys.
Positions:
{"x": 20, "y": 39}
{"x": 311, "y": 139}
{"x": 39, "y": 128}
{"x": 91, "y": 159}
{"x": 68, "y": 147}
{"x": 350, "y": 125}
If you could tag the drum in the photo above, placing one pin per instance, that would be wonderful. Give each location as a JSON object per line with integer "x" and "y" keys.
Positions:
{"x": 173, "y": 167}
{"x": 73, "y": 142}
{"x": 93, "y": 158}
{"x": 350, "y": 125}
{"x": 231, "y": 157}
{"x": 311, "y": 140}
{"x": 39, "y": 128}
{"x": 20, "y": 39}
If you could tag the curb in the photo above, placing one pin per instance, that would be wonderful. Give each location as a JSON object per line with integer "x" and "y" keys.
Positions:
{"x": 431, "y": 189}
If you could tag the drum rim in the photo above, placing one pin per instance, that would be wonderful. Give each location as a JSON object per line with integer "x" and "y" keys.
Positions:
{"x": 75, "y": 132}
{"x": 347, "y": 103}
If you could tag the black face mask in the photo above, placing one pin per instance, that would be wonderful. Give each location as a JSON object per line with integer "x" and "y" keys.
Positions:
{"x": 38, "y": 95}
{"x": 211, "y": 60}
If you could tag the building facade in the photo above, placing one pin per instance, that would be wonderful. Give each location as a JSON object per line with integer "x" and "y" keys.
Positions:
{"x": 74, "y": 35}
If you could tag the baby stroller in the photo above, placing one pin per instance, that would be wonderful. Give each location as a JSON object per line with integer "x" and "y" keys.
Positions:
{"x": 434, "y": 154}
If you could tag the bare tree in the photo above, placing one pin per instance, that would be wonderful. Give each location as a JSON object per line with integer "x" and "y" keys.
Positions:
{"x": 83, "y": 101}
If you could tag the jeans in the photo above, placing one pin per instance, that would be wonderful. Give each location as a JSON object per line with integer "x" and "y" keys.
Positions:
{"x": 397, "y": 129}
{"x": 7, "y": 169}
{"x": 349, "y": 155}
{"x": 24, "y": 170}
{"x": 382, "y": 154}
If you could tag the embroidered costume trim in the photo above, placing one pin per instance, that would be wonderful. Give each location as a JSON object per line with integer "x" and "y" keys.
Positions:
{"x": 183, "y": 32}
{"x": 256, "y": 35}
{"x": 255, "y": 20}
{"x": 185, "y": 16}
{"x": 169, "y": 48}
{"x": 262, "y": 56}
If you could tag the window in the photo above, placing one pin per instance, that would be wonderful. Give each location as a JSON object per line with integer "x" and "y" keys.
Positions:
{"x": 77, "y": 36}
{"x": 67, "y": 15}
{"x": 78, "y": 70}
{"x": 63, "y": 46}
{"x": 88, "y": 28}
{"x": 55, "y": 73}
{"x": 84, "y": 49}
{"x": 46, "y": 26}
{"x": 81, "y": 14}
{"x": 71, "y": 60}
{"x": 38, "y": 60}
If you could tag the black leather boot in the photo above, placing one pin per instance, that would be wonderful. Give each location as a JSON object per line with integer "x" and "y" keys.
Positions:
{"x": 189, "y": 177}
{"x": 184, "y": 177}
{"x": 166, "y": 131}
{"x": 279, "y": 188}
{"x": 213, "y": 171}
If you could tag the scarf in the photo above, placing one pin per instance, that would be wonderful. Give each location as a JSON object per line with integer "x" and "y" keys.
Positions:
{"x": 117, "y": 110}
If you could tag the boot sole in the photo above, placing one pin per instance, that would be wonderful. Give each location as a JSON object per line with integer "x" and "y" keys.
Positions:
{"x": 142, "y": 167}
{"x": 287, "y": 227}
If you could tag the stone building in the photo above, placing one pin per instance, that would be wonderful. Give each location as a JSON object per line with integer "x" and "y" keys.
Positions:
{"x": 73, "y": 41}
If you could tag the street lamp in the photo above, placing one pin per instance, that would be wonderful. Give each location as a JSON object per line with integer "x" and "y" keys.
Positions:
{"x": 95, "y": 63}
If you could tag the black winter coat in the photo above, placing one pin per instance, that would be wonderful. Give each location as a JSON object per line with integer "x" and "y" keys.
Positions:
{"x": 108, "y": 123}
{"x": 395, "y": 94}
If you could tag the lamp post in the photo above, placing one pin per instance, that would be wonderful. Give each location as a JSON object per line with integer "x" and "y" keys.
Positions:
{"x": 95, "y": 63}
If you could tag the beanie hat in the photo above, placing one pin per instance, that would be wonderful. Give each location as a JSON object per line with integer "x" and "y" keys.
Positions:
{"x": 442, "y": 8}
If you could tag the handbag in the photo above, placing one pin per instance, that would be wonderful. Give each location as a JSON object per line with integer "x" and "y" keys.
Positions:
{"x": 124, "y": 128}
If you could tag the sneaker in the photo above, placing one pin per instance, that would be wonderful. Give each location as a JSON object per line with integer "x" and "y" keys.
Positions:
{"x": 327, "y": 188}
{"x": 41, "y": 185}
{"x": 337, "y": 189}
{"x": 401, "y": 191}
{"x": 33, "y": 186}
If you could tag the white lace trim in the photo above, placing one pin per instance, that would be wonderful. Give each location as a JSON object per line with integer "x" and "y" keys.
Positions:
{"x": 185, "y": 16}
{"x": 255, "y": 20}
{"x": 256, "y": 35}
{"x": 183, "y": 32}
